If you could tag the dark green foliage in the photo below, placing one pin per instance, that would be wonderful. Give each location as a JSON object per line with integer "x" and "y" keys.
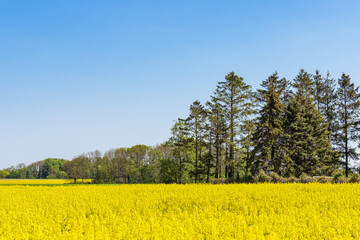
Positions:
{"x": 167, "y": 171}
{"x": 263, "y": 177}
{"x": 78, "y": 168}
{"x": 269, "y": 136}
{"x": 218, "y": 181}
{"x": 275, "y": 178}
{"x": 216, "y": 130}
{"x": 182, "y": 150}
{"x": 239, "y": 136}
{"x": 4, "y": 173}
{"x": 138, "y": 164}
{"x": 50, "y": 168}
{"x": 235, "y": 97}
{"x": 308, "y": 148}
{"x": 292, "y": 180}
{"x": 304, "y": 178}
{"x": 339, "y": 178}
{"x": 139, "y": 159}
{"x": 355, "y": 178}
{"x": 196, "y": 127}
{"x": 327, "y": 103}
{"x": 248, "y": 179}
{"x": 103, "y": 172}
{"x": 318, "y": 91}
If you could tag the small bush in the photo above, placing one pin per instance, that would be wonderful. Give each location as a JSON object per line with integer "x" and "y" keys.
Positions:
{"x": 324, "y": 179}
{"x": 355, "y": 178}
{"x": 248, "y": 179}
{"x": 339, "y": 178}
{"x": 338, "y": 172}
{"x": 275, "y": 178}
{"x": 262, "y": 177}
{"x": 304, "y": 178}
{"x": 292, "y": 180}
{"x": 230, "y": 180}
{"x": 255, "y": 179}
{"x": 218, "y": 180}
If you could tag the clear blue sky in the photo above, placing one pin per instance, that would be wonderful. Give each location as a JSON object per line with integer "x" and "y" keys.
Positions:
{"x": 77, "y": 76}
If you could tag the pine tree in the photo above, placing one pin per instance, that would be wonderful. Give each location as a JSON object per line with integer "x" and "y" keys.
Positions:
{"x": 347, "y": 122}
{"x": 269, "y": 134}
{"x": 233, "y": 94}
{"x": 209, "y": 137}
{"x": 308, "y": 144}
{"x": 217, "y": 128}
{"x": 304, "y": 85}
{"x": 318, "y": 89}
{"x": 181, "y": 143}
{"x": 328, "y": 103}
{"x": 247, "y": 130}
{"x": 196, "y": 121}
{"x": 286, "y": 93}
{"x": 325, "y": 96}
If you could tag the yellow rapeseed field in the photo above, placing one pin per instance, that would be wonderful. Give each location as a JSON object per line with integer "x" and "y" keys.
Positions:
{"x": 239, "y": 211}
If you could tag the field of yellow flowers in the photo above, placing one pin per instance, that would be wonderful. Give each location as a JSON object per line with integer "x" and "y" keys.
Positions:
{"x": 238, "y": 211}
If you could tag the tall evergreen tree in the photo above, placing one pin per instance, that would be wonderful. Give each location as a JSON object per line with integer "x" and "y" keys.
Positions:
{"x": 308, "y": 146}
{"x": 324, "y": 97}
{"x": 233, "y": 94}
{"x": 328, "y": 103}
{"x": 196, "y": 122}
{"x": 347, "y": 122}
{"x": 304, "y": 85}
{"x": 181, "y": 142}
{"x": 217, "y": 126}
{"x": 247, "y": 129}
{"x": 318, "y": 89}
{"x": 269, "y": 134}
{"x": 209, "y": 139}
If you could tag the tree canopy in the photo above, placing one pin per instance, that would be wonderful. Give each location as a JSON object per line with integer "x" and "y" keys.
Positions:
{"x": 309, "y": 125}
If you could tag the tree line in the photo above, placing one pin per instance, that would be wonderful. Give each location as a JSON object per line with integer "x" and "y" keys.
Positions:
{"x": 50, "y": 168}
{"x": 309, "y": 125}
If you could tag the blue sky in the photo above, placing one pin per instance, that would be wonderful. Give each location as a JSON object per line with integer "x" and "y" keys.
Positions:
{"x": 77, "y": 76}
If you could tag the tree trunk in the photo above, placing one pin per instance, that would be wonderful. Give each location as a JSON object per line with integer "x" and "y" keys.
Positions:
{"x": 217, "y": 158}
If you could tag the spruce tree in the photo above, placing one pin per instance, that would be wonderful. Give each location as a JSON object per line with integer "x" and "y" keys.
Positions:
{"x": 209, "y": 137}
{"x": 318, "y": 89}
{"x": 347, "y": 121}
{"x": 328, "y": 103}
{"x": 247, "y": 129}
{"x": 269, "y": 134}
{"x": 217, "y": 126}
{"x": 196, "y": 121}
{"x": 308, "y": 147}
{"x": 181, "y": 143}
{"x": 324, "y": 97}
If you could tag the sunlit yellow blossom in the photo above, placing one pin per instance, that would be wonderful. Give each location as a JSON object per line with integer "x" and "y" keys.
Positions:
{"x": 239, "y": 211}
